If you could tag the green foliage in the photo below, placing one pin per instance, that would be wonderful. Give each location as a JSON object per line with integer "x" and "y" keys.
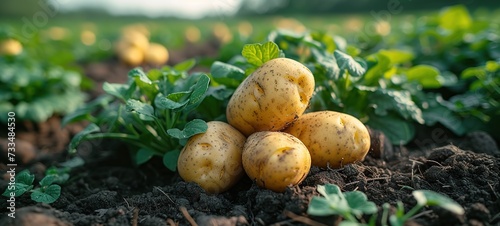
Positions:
{"x": 48, "y": 189}
{"x": 257, "y": 54}
{"x": 424, "y": 198}
{"x": 152, "y": 112}
{"x": 352, "y": 205}
{"x": 349, "y": 205}
{"x": 35, "y": 91}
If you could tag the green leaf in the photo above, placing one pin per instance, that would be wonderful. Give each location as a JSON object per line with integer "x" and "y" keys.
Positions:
{"x": 24, "y": 181}
{"x": 25, "y": 177}
{"x": 437, "y": 111}
{"x": 91, "y": 128}
{"x": 346, "y": 62}
{"x": 336, "y": 202}
{"x": 170, "y": 159}
{"x": 171, "y": 101}
{"x": 139, "y": 73}
{"x": 117, "y": 90}
{"x": 327, "y": 67}
{"x": 19, "y": 190}
{"x": 359, "y": 203}
{"x": 385, "y": 100}
{"x": 376, "y": 72}
{"x": 397, "y": 129}
{"x": 329, "y": 189}
{"x": 431, "y": 198}
{"x": 46, "y": 195}
{"x": 185, "y": 65}
{"x": 397, "y": 56}
{"x": 198, "y": 91}
{"x": 320, "y": 207}
{"x": 48, "y": 180}
{"x": 145, "y": 111}
{"x": 73, "y": 162}
{"x": 191, "y": 128}
{"x": 55, "y": 176}
{"x": 84, "y": 112}
{"x": 146, "y": 86}
{"x": 351, "y": 223}
{"x": 455, "y": 18}
{"x": 143, "y": 155}
{"x": 425, "y": 75}
{"x": 227, "y": 74}
{"x": 258, "y": 54}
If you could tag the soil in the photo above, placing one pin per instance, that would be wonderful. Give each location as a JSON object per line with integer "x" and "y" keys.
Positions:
{"x": 110, "y": 190}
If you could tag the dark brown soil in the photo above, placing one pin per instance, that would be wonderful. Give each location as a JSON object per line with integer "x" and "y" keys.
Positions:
{"x": 110, "y": 190}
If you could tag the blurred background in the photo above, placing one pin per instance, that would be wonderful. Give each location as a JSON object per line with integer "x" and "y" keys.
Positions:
{"x": 93, "y": 30}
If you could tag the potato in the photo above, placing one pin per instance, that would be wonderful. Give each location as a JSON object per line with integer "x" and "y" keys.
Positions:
{"x": 213, "y": 159}
{"x": 275, "y": 160}
{"x": 334, "y": 139}
{"x": 131, "y": 55}
{"x": 272, "y": 97}
{"x": 10, "y": 47}
{"x": 156, "y": 54}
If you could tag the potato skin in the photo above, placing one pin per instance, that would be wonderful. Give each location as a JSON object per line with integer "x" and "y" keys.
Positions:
{"x": 213, "y": 159}
{"x": 275, "y": 160}
{"x": 333, "y": 139}
{"x": 271, "y": 97}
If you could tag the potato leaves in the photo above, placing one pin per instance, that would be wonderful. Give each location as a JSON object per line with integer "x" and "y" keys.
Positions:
{"x": 352, "y": 205}
{"x": 151, "y": 112}
{"x": 258, "y": 54}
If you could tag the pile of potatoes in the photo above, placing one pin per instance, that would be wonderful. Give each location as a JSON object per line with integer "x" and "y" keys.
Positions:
{"x": 133, "y": 48}
{"x": 269, "y": 137}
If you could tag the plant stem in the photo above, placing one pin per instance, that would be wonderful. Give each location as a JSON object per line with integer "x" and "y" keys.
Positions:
{"x": 412, "y": 212}
{"x": 385, "y": 214}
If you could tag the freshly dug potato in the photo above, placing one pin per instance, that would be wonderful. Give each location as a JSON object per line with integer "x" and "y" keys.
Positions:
{"x": 213, "y": 159}
{"x": 334, "y": 139}
{"x": 275, "y": 160}
{"x": 272, "y": 97}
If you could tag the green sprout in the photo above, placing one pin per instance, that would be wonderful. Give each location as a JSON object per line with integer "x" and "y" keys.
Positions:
{"x": 353, "y": 204}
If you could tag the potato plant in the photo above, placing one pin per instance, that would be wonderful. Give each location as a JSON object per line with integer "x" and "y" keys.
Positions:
{"x": 151, "y": 112}
{"x": 35, "y": 91}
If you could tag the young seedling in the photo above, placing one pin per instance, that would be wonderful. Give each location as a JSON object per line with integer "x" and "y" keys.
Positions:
{"x": 424, "y": 198}
{"x": 49, "y": 188}
{"x": 350, "y": 205}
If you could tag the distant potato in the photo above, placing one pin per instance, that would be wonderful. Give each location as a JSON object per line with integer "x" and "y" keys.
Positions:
{"x": 10, "y": 47}
{"x": 272, "y": 97}
{"x": 156, "y": 54}
{"x": 334, "y": 139}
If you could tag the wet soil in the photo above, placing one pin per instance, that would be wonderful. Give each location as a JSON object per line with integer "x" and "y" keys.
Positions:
{"x": 110, "y": 190}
